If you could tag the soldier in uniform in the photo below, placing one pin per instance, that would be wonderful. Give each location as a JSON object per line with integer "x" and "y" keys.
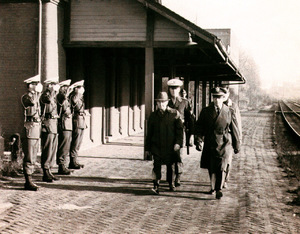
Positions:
{"x": 184, "y": 108}
{"x": 236, "y": 118}
{"x": 77, "y": 105}
{"x": 64, "y": 126}
{"x": 164, "y": 140}
{"x": 49, "y": 138}
{"x": 216, "y": 129}
{"x": 32, "y": 124}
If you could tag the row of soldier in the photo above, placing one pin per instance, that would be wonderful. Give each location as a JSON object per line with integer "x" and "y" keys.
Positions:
{"x": 217, "y": 133}
{"x": 56, "y": 117}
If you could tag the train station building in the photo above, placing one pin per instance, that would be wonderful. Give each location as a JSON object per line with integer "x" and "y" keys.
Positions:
{"x": 124, "y": 50}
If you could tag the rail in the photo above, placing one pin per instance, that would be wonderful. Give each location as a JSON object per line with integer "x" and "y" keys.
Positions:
{"x": 291, "y": 117}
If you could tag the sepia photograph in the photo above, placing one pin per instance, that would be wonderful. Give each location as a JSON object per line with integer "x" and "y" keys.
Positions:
{"x": 149, "y": 116}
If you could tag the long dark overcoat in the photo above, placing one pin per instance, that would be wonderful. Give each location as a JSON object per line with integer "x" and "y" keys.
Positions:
{"x": 220, "y": 137}
{"x": 163, "y": 132}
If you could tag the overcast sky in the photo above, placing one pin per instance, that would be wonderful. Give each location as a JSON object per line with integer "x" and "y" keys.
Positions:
{"x": 269, "y": 30}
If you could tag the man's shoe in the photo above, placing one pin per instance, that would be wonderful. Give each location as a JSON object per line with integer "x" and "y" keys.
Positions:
{"x": 212, "y": 192}
{"x": 155, "y": 190}
{"x": 53, "y": 177}
{"x": 172, "y": 188}
{"x": 29, "y": 185}
{"x": 75, "y": 165}
{"x": 219, "y": 194}
{"x": 47, "y": 177}
{"x": 177, "y": 181}
{"x": 62, "y": 170}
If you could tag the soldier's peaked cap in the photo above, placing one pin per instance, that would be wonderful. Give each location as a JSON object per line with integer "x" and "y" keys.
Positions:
{"x": 217, "y": 91}
{"x": 65, "y": 83}
{"x": 51, "y": 80}
{"x": 78, "y": 83}
{"x": 175, "y": 83}
{"x": 33, "y": 79}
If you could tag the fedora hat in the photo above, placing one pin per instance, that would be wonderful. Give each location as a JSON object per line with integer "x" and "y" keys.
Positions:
{"x": 162, "y": 97}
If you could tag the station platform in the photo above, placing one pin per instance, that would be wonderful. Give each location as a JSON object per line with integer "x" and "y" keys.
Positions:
{"x": 112, "y": 193}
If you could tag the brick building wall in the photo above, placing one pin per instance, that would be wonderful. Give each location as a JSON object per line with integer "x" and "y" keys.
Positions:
{"x": 19, "y": 58}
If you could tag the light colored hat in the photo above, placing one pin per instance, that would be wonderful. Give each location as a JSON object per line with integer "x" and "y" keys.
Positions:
{"x": 175, "y": 82}
{"x": 162, "y": 97}
{"x": 217, "y": 91}
{"x": 65, "y": 83}
{"x": 78, "y": 83}
{"x": 51, "y": 80}
{"x": 36, "y": 78}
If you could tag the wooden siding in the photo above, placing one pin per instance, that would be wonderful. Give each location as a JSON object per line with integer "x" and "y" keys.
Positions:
{"x": 107, "y": 20}
{"x": 166, "y": 30}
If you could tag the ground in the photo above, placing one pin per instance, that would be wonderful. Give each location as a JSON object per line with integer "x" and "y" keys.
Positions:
{"x": 112, "y": 193}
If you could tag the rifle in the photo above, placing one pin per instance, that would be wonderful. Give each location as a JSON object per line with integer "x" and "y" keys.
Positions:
{"x": 187, "y": 140}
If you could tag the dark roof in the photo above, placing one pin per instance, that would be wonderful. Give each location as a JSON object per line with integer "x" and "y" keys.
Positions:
{"x": 198, "y": 35}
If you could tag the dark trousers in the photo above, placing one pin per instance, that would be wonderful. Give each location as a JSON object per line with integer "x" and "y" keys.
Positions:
{"x": 49, "y": 149}
{"x": 64, "y": 145}
{"x": 157, "y": 164}
{"x": 30, "y": 154}
{"x": 216, "y": 168}
{"x": 77, "y": 136}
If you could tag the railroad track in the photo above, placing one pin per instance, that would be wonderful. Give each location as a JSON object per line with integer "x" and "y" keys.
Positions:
{"x": 290, "y": 112}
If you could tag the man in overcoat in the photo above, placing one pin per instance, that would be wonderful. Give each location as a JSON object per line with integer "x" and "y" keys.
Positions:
{"x": 183, "y": 106}
{"x": 216, "y": 129}
{"x": 164, "y": 140}
{"x": 32, "y": 125}
{"x": 237, "y": 121}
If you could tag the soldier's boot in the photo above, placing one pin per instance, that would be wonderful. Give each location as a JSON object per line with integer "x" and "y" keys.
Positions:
{"x": 29, "y": 185}
{"x": 62, "y": 170}
{"x": 155, "y": 188}
{"x": 74, "y": 164}
{"x": 177, "y": 180}
{"x": 53, "y": 177}
{"x": 46, "y": 176}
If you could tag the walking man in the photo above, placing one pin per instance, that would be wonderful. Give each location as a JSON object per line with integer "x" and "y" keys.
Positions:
{"x": 77, "y": 107}
{"x": 184, "y": 108}
{"x": 164, "y": 140}
{"x": 216, "y": 129}
{"x": 32, "y": 124}
{"x": 65, "y": 127}
{"x": 49, "y": 138}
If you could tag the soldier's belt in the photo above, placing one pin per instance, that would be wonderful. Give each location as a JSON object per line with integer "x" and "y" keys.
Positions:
{"x": 32, "y": 119}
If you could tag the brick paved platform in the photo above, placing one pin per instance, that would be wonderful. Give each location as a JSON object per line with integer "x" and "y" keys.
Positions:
{"x": 112, "y": 194}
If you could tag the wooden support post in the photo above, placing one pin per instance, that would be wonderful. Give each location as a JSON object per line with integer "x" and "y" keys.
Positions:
{"x": 204, "y": 94}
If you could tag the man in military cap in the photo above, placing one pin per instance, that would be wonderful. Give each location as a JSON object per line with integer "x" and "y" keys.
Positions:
{"x": 77, "y": 107}
{"x": 184, "y": 108}
{"x": 49, "y": 138}
{"x": 237, "y": 121}
{"x": 216, "y": 129}
{"x": 164, "y": 140}
{"x": 32, "y": 124}
{"x": 64, "y": 126}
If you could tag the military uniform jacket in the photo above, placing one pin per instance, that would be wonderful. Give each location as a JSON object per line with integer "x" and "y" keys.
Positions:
{"x": 183, "y": 106}
{"x": 219, "y": 134}
{"x": 32, "y": 110}
{"x": 65, "y": 114}
{"x": 163, "y": 132}
{"x": 49, "y": 112}
{"x": 77, "y": 107}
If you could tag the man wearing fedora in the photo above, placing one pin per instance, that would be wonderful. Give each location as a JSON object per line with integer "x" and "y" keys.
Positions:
{"x": 164, "y": 140}
{"x": 216, "y": 129}
{"x": 49, "y": 139}
{"x": 183, "y": 106}
{"x": 32, "y": 125}
{"x": 65, "y": 126}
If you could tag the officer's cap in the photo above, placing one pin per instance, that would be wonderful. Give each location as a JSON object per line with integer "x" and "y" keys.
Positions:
{"x": 218, "y": 92}
{"x": 162, "y": 97}
{"x": 33, "y": 79}
{"x": 78, "y": 84}
{"x": 175, "y": 83}
{"x": 51, "y": 80}
{"x": 65, "y": 83}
